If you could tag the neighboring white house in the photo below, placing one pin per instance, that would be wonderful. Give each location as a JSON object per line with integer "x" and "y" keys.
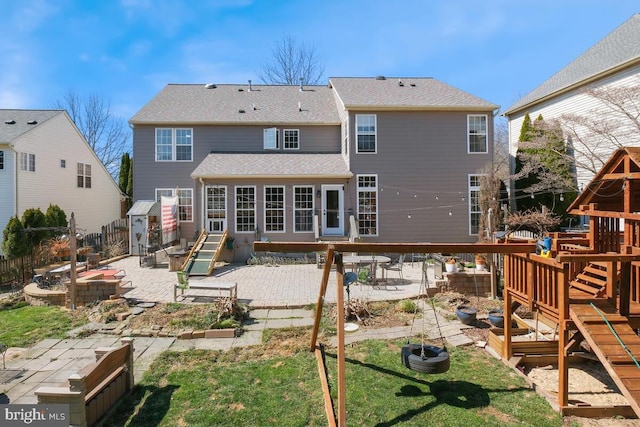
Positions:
{"x": 45, "y": 160}
{"x": 612, "y": 62}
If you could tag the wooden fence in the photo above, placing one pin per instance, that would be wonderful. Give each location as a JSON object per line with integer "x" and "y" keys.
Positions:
{"x": 21, "y": 269}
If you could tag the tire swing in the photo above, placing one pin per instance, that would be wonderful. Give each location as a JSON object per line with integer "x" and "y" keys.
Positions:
{"x": 424, "y": 358}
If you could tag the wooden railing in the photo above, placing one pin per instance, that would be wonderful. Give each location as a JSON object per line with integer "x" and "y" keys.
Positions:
{"x": 538, "y": 283}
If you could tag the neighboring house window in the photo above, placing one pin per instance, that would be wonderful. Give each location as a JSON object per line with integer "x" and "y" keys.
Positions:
{"x": 474, "y": 204}
{"x": 27, "y": 162}
{"x": 245, "y": 209}
{"x": 477, "y": 133}
{"x": 368, "y": 205}
{"x": 174, "y": 145}
{"x": 1, "y": 160}
{"x": 303, "y": 209}
{"x": 366, "y": 133}
{"x": 84, "y": 175}
{"x": 63, "y": 164}
{"x": 274, "y": 209}
{"x": 185, "y": 201}
{"x": 291, "y": 139}
{"x": 271, "y": 139}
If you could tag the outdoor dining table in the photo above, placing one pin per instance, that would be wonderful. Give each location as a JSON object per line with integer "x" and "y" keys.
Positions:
{"x": 368, "y": 260}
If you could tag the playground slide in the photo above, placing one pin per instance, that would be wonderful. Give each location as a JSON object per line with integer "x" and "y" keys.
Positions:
{"x": 615, "y": 343}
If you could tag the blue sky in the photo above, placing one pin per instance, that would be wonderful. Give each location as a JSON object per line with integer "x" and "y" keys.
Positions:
{"x": 126, "y": 51}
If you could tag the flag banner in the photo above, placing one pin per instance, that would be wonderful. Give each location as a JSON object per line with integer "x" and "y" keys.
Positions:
{"x": 169, "y": 209}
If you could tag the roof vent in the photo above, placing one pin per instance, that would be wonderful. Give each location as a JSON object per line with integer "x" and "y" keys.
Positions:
{"x": 240, "y": 90}
{"x": 241, "y": 111}
{"x": 412, "y": 84}
{"x": 250, "y": 87}
{"x": 301, "y": 82}
{"x": 381, "y": 78}
{"x": 9, "y": 122}
{"x": 32, "y": 122}
{"x": 210, "y": 86}
{"x": 400, "y": 83}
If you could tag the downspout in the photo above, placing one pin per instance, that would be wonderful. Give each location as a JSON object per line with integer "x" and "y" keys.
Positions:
{"x": 203, "y": 201}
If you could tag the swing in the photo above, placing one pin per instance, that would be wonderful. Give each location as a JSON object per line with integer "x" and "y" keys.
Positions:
{"x": 424, "y": 358}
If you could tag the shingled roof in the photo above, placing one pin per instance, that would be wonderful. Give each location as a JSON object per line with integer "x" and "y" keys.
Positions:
{"x": 286, "y": 165}
{"x": 404, "y": 93}
{"x": 14, "y": 123}
{"x": 234, "y": 104}
{"x": 619, "y": 49}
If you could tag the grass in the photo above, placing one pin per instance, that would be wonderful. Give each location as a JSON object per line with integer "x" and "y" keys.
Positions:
{"x": 275, "y": 384}
{"x": 22, "y": 325}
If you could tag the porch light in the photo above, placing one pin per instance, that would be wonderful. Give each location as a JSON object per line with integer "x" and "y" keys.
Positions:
{"x": 318, "y": 194}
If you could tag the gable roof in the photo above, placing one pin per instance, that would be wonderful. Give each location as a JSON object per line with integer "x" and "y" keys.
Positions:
{"x": 286, "y": 165}
{"x": 606, "y": 189}
{"x": 14, "y": 123}
{"x": 234, "y": 103}
{"x": 408, "y": 93}
{"x": 618, "y": 49}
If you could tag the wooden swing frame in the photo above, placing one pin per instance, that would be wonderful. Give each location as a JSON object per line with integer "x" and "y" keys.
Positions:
{"x": 333, "y": 255}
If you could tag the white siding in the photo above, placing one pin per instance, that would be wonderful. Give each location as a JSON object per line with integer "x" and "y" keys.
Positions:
{"x": 576, "y": 102}
{"x": 7, "y": 186}
{"x": 52, "y": 141}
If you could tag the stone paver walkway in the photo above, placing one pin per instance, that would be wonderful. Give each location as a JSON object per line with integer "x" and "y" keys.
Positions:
{"x": 276, "y": 295}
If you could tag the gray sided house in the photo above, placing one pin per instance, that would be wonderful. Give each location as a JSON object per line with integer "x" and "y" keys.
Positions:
{"x": 378, "y": 159}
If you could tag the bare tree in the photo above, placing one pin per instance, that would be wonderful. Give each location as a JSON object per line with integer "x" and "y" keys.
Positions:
{"x": 292, "y": 62}
{"x": 613, "y": 123}
{"x": 107, "y": 134}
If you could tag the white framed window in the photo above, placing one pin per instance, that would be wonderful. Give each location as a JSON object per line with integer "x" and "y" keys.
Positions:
{"x": 303, "y": 209}
{"x": 474, "y": 204}
{"x": 1, "y": 160}
{"x": 366, "y": 133}
{"x": 27, "y": 162}
{"x": 274, "y": 218}
{"x": 83, "y": 175}
{"x": 216, "y": 208}
{"x": 245, "y": 209}
{"x": 271, "y": 139}
{"x": 368, "y": 205}
{"x": 185, "y": 201}
{"x": 477, "y": 133}
{"x": 174, "y": 145}
{"x": 291, "y": 139}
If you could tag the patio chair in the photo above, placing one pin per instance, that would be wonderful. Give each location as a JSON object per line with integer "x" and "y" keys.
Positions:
{"x": 395, "y": 265}
{"x": 364, "y": 276}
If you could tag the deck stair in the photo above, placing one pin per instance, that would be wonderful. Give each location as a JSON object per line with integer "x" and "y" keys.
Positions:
{"x": 592, "y": 279}
{"x": 615, "y": 343}
{"x": 204, "y": 254}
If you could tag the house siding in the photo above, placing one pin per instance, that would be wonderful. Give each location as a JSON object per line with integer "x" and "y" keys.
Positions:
{"x": 54, "y": 140}
{"x": 579, "y": 103}
{"x": 7, "y": 186}
{"x": 314, "y": 139}
{"x": 421, "y": 156}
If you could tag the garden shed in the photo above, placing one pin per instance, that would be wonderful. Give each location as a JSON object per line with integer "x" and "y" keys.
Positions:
{"x": 144, "y": 217}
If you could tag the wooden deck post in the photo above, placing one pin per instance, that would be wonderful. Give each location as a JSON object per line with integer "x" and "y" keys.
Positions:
{"x": 563, "y": 335}
{"x": 323, "y": 290}
{"x": 342, "y": 387}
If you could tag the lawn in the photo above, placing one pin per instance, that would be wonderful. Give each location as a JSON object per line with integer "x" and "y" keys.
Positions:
{"x": 22, "y": 325}
{"x": 277, "y": 384}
